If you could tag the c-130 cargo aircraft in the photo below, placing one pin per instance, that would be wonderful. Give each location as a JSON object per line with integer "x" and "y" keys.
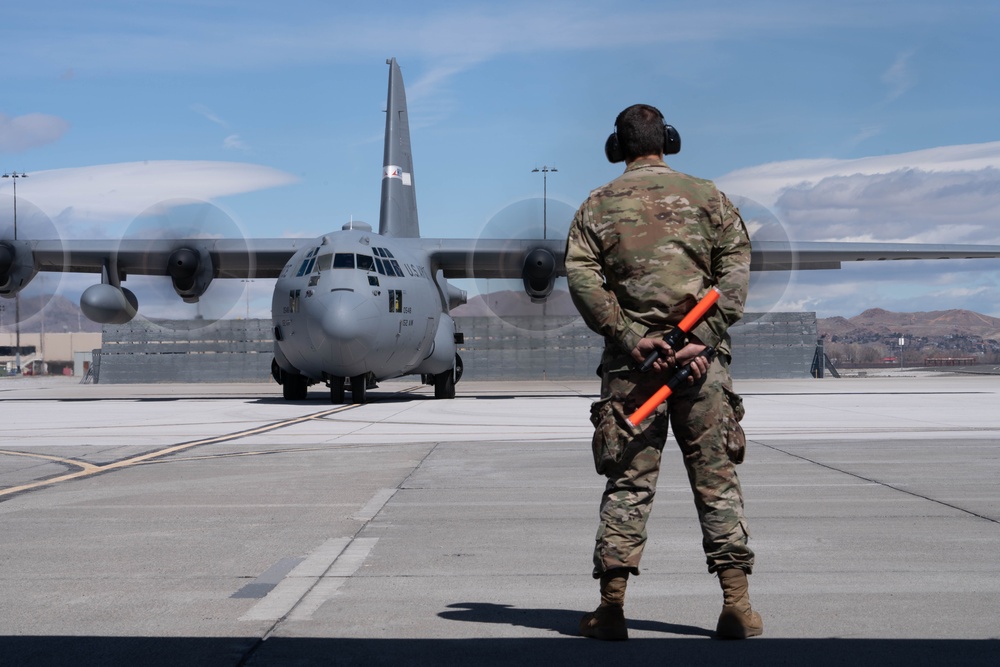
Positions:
{"x": 358, "y": 306}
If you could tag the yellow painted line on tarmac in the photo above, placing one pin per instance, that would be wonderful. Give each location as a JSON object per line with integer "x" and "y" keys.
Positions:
{"x": 58, "y": 459}
{"x": 88, "y": 469}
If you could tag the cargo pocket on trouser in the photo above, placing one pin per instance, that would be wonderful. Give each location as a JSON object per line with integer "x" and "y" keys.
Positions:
{"x": 736, "y": 439}
{"x": 610, "y": 434}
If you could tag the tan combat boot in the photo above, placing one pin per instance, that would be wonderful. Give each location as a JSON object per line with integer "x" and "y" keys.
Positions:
{"x": 608, "y": 620}
{"x": 737, "y": 620}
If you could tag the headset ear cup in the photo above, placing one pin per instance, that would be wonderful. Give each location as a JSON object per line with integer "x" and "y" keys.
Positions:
{"x": 612, "y": 150}
{"x": 671, "y": 140}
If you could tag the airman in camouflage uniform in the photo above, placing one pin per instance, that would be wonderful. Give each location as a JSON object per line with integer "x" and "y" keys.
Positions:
{"x": 642, "y": 250}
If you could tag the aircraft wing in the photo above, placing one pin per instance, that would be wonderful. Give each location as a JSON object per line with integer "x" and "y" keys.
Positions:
{"x": 496, "y": 258}
{"x": 457, "y": 258}
{"x": 230, "y": 258}
{"x": 489, "y": 258}
{"x": 774, "y": 256}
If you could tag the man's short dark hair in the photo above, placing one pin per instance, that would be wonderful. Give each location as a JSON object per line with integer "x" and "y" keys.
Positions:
{"x": 640, "y": 131}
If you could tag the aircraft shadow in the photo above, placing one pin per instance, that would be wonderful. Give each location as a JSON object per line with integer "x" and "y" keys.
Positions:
{"x": 317, "y": 397}
{"x": 88, "y": 651}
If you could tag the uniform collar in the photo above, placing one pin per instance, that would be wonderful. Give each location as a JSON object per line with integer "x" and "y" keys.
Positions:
{"x": 642, "y": 163}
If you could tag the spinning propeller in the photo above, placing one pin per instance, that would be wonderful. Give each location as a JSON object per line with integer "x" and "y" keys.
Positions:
{"x": 16, "y": 266}
{"x": 192, "y": 267}
{"x": 767, "y": 288}
{"x": 507, "y": 299}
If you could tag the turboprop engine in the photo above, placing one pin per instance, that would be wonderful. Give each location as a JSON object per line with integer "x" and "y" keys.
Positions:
{"x": 191, "y": 271}
{"x": 17, "y": 267}
{"x": 539, "y": 274}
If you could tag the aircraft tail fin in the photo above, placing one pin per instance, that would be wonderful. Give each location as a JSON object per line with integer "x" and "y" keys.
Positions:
{"x": 398, "y": 212}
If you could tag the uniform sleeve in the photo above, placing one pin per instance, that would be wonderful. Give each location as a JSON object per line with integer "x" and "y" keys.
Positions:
{"x": 731, "y": 273}
{"x": 597, "y": 304}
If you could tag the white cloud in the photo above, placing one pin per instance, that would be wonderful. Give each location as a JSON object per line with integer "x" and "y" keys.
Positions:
{"x": 235, "y": 143}
{"x": 941, "y": 195}
{"x": 908, "y": 205}
{"x": 232, "y": 142}
{"x": 32, "y": 130}
{"x": 87, "y": 198}
{"x": 766, "y": 183}
{"x": 210, "y": 115}
{"x": 899, "y": 78}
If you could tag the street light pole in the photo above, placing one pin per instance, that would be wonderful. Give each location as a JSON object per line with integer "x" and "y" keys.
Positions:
{"x": 248, "y": 281}
{"x": 17, "y": 296}
{"x": 545, "y": 196}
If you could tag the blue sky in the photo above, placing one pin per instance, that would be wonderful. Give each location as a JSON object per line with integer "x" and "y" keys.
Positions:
{"x": 848, "y": 121}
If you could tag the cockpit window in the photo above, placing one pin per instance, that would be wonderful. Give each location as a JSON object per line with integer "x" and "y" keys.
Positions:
{"x": 348, "y": 260}
{"x": 306, "y": 267}
{"x": 343, "y": 260}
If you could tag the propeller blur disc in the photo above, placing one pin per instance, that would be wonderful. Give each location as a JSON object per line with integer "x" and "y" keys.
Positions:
{"x": 506, "y": 299}
{"x": 193, "y": 220}
{"x": 34, "y": 299}
{"x": 767, "y": 288}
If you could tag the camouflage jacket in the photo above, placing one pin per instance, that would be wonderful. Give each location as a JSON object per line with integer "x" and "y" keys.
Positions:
{"x": 645, "y": 247}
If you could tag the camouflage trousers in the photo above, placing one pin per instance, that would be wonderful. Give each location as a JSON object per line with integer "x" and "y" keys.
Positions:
{"x": 704, "y": 417}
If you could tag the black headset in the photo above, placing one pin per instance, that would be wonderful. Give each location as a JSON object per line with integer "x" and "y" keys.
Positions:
{"x": 671, "y": 140}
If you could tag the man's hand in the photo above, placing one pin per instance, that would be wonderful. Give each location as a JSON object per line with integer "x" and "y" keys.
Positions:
{"x": 689, "y": 355}
{"x": 646, "y": 345}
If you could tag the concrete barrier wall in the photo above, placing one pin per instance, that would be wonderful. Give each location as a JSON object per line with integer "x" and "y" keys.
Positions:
{"x": 519, "y": 348}
{"x": 778, "y": 345}
{"x": 774, "y": 345}
{"x": 181, "y": 351}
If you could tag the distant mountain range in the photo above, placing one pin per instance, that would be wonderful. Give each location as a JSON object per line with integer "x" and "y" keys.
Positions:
{"x": 61, "y": 315}
{"x": 934, "y": 324}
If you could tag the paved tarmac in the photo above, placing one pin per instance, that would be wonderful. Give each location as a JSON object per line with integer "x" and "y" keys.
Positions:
{"x": 220, "y": 525}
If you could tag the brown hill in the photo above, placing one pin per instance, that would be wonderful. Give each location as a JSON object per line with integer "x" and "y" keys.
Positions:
{"x": 61, "y": 315}
{"x": 931, "y": 324}
{"x": 836, "y": 326}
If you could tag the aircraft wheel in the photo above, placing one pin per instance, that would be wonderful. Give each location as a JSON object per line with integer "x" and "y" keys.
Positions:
{"x": 359, "y": 389}
{"x": 444, "y": 384}
{"x": 459, "y": 368}
{"x": 337, "y": 390}
{"x": 294, "y": 387}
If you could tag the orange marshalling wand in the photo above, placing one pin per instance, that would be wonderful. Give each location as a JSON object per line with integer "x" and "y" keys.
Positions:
{"x": 675, "y": 340}
{"x": 699, "y": 310}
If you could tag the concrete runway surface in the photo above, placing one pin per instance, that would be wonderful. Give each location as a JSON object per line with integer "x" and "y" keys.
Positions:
{"x": 220, "y": 525}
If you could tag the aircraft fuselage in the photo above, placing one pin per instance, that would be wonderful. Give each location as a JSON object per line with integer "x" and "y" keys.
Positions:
{"x": 359, "y": 304}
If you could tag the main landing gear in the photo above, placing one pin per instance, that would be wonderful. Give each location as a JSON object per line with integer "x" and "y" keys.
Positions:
{"x": 444, "y": 383}
{"x": 360, "y": 384}
{"x": 294, "y": 387}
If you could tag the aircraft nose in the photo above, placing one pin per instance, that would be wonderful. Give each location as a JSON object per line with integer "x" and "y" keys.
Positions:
{"x": 350, "y": 323}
